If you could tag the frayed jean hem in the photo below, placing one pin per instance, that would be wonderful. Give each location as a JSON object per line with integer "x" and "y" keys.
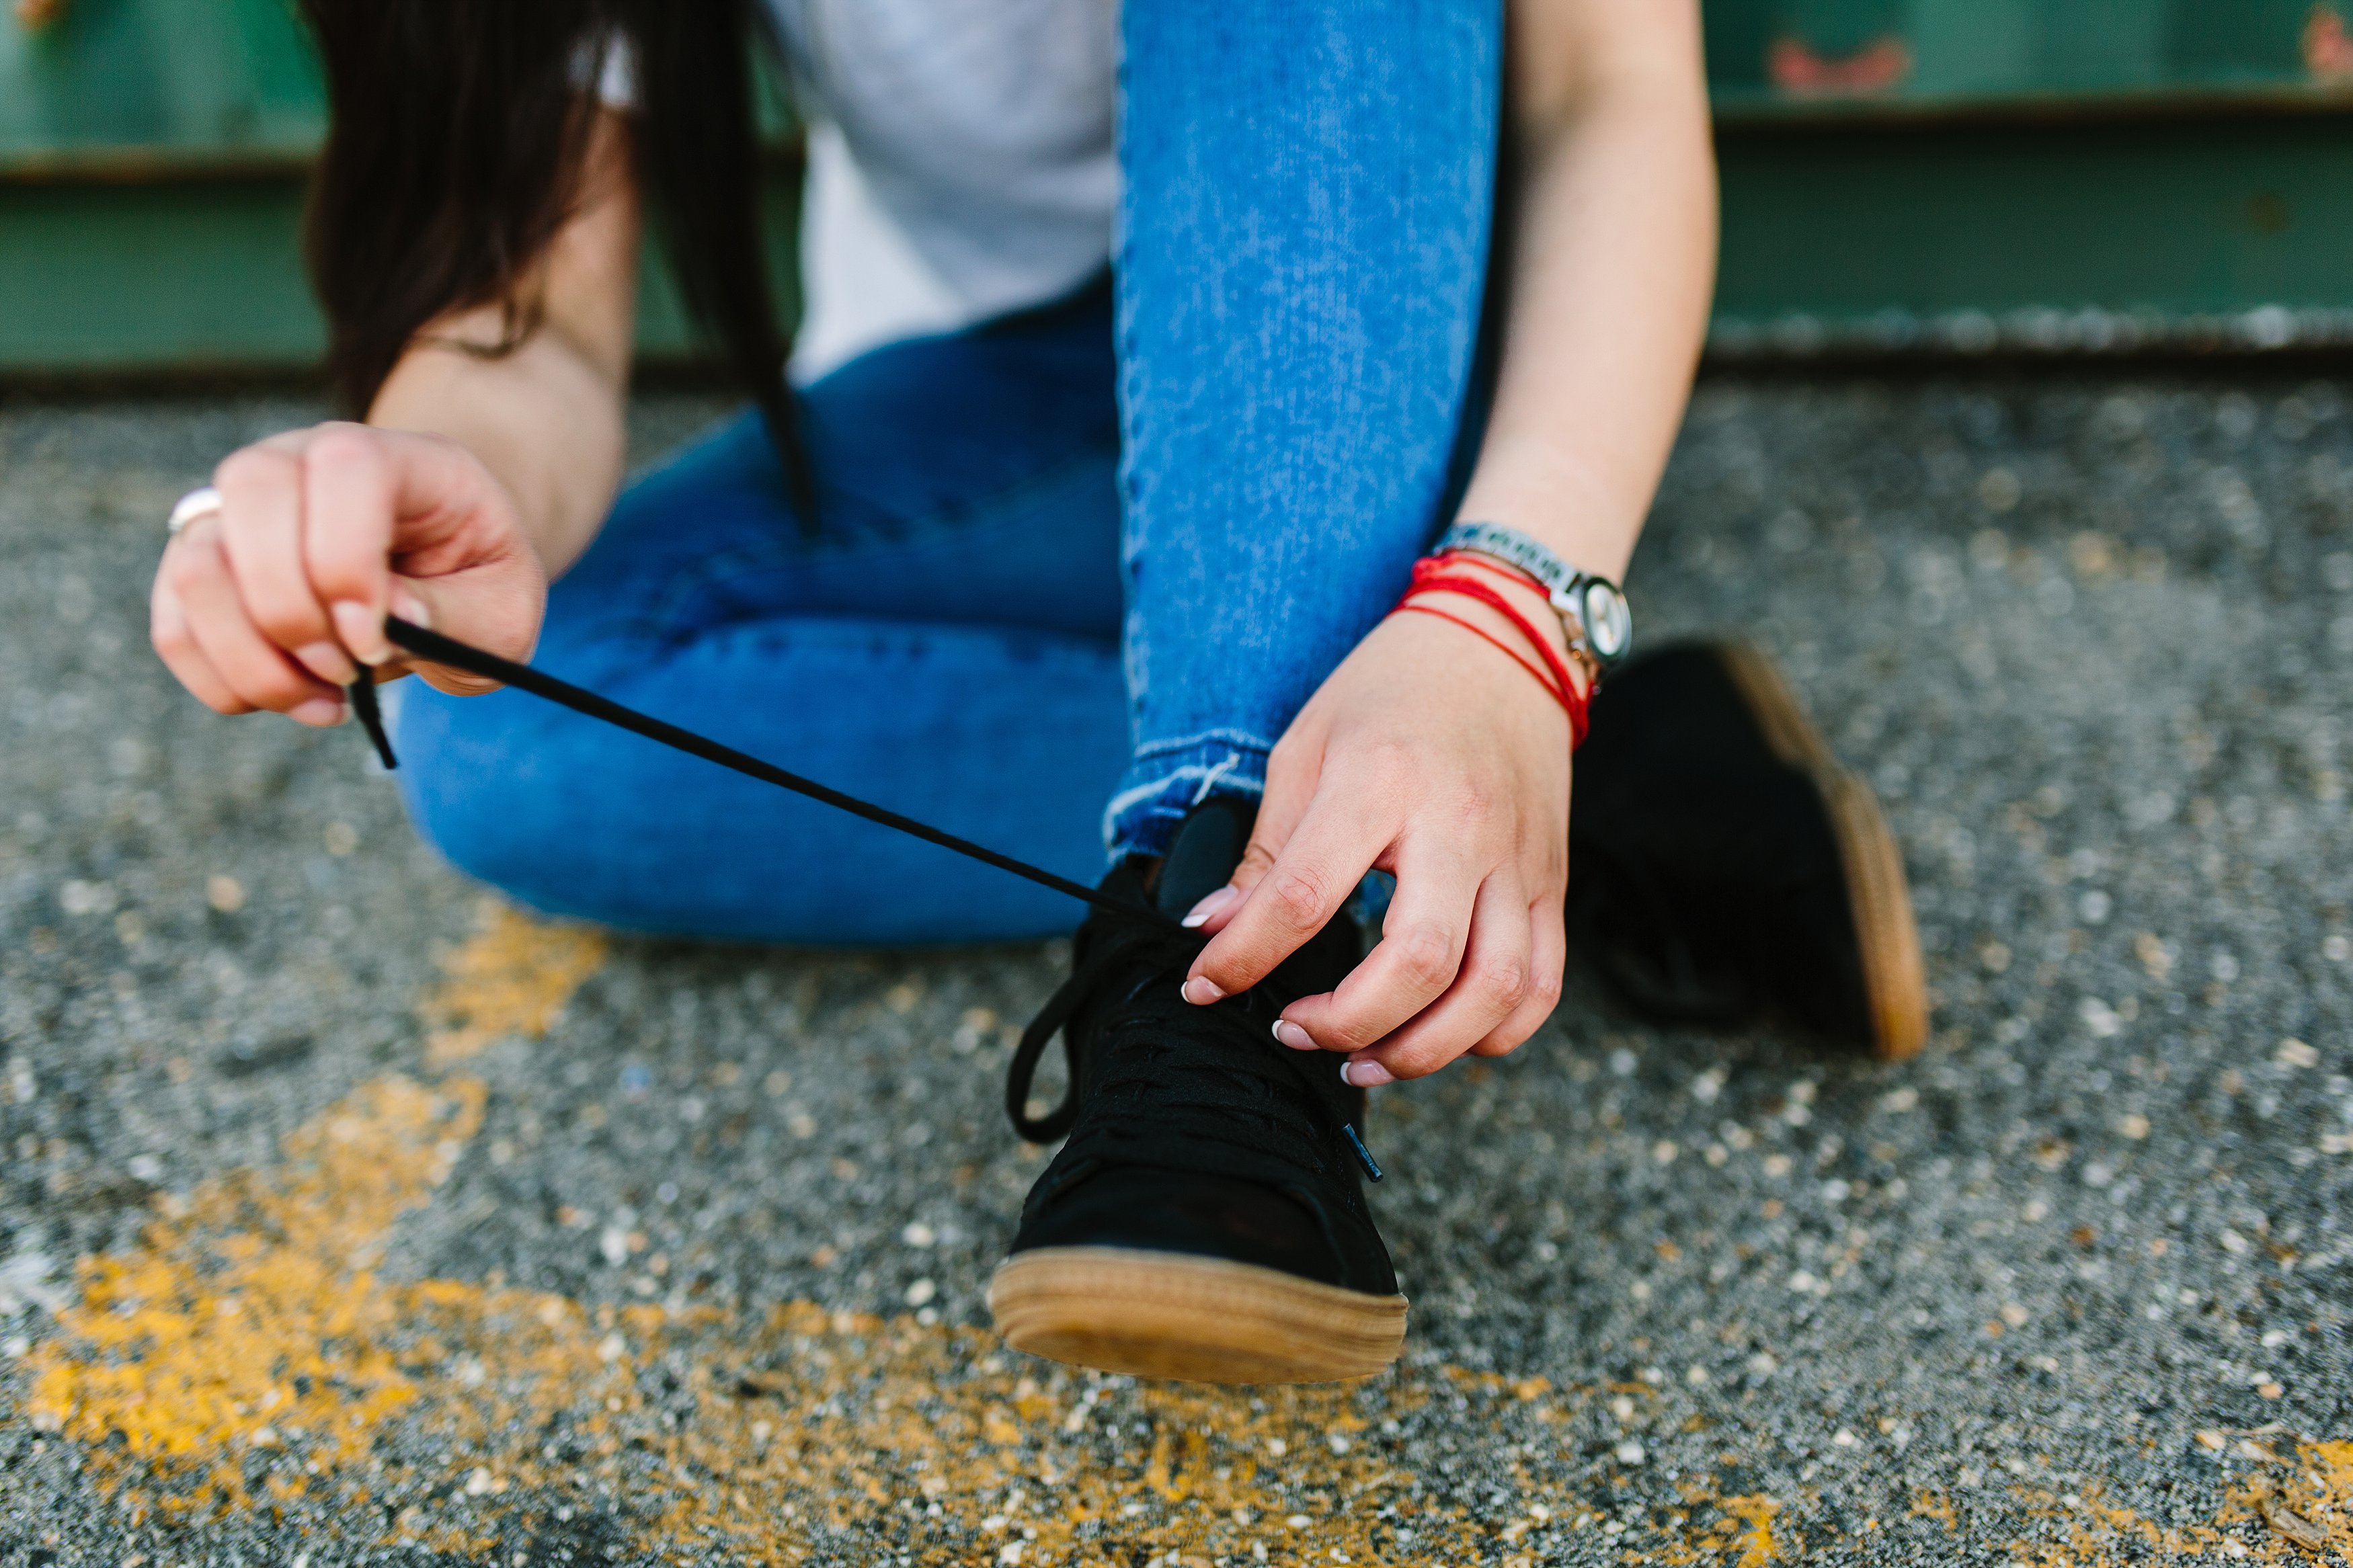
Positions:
{"x": 1165, "y": 784}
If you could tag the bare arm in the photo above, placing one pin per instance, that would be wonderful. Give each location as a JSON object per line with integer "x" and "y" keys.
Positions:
{"x": 545, "y": 418}
{"x": 1612, "y": 274}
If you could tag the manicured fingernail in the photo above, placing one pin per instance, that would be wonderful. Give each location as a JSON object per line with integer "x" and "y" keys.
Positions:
{"x": 411, "y": 608}
{"x": 1201, "y": 991}
{"x": 1365, "y": 1075}
{"x": 319, "y": 712}
{"x": 362, "y": 632}
{"x": 326, "y": 662}
{"x": 1209, "y": 909}
{"x": 1291, "y": 1035}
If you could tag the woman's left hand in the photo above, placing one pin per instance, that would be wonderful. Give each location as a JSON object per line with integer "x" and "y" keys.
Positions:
{"x": 1429, "y": 755}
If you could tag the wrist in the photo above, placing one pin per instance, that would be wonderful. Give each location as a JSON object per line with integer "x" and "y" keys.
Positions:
{"x": 1535, "y": 607}
{"x": 1448, "y": 588}
{"x": 1561, "y": 503}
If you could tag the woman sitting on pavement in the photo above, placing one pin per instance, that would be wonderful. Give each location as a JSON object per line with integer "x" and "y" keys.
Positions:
{"x": 1236, "y": 315}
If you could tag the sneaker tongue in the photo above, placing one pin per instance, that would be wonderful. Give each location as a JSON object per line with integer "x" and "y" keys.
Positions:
{"x": 1208, "y": 846}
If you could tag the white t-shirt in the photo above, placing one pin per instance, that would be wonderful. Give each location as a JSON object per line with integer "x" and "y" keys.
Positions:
{"x": 961, "y": 163}
{"x": 961, "y": 160}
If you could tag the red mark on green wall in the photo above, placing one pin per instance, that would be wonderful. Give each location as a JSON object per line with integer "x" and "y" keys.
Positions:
{"x": 2327, "y": 47}
{"x": 1879, "y": 66}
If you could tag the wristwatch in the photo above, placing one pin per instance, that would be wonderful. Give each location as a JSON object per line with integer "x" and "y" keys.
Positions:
{"x": 1592, "y": 609}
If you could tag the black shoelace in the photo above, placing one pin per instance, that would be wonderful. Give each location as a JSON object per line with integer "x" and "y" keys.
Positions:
{"x": 1153, "y": 1087}
{"x": 1234, "y": 1084}
{"x": 434, "y": 647}
{"x": 1132, "y": 947}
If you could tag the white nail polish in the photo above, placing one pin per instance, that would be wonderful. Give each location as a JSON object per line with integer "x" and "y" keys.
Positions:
{"x": 1209, "y": 908}
{"x": 361, "y": 633}
{"x": 326, "y": 660}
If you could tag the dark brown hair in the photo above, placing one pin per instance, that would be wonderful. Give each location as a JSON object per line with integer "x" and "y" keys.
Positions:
{"x": 456, "y": 136}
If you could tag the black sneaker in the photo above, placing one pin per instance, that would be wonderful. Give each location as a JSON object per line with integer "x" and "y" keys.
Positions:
{"x": 1722, "y": 865}
{"x": 1205, "y": 1219}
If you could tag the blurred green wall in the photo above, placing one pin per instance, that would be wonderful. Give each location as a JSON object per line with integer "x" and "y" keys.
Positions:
{"x": 152, "y": 156}
{"x": 1953, "y": 174}
{"x": 2034, "y": 174}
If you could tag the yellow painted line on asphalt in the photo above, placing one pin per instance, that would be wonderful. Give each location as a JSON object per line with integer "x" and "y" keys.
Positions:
{"x": 2303, "y": 1504}
{"x": 248, "y": 1355}
{"x": 249, "y": 1334}
{"x": 1746, "y": 1526}
{"x": 246, "y": 1352}
{"x": 513, "y": 977}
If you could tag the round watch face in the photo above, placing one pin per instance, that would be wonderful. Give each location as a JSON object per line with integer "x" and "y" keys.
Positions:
{"x": 1609, "y": 624}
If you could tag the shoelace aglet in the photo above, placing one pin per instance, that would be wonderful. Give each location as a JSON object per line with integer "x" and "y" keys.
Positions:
{"x": 1372, "y": 1167}
{"x": 371, "y": 713}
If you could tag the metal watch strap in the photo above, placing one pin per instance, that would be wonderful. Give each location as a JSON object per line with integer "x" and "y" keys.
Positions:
{"x": 1592, "y": 608}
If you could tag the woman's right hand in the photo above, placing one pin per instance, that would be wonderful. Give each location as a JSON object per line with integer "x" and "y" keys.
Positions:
{"x": 277, "y": 600}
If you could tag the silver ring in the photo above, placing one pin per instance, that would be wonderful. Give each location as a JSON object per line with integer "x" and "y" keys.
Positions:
{"x": 202, "y": 502}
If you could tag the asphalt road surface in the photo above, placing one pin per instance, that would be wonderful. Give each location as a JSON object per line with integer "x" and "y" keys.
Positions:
{"x": 347, "y": 1215}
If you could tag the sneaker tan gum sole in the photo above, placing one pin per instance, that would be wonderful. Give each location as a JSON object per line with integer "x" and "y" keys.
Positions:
{"x": 1201, "y": 1319}
{"x": 1892, "y": 974}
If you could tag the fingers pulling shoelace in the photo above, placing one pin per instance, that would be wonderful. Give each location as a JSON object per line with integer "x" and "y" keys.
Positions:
{"x": 1141, "y": 938}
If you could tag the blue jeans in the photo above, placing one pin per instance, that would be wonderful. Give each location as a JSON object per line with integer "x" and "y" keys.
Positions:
{"x": 1098, "y": 552}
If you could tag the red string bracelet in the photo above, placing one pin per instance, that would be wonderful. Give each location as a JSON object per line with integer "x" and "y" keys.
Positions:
{"x": 1577, "y": 651}
{"x": 1432, "y": 576}
{"x": 1478, "y": 631}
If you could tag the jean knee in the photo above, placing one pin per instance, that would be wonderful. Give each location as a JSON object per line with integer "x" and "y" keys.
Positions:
{"x": 484, "y": 791}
